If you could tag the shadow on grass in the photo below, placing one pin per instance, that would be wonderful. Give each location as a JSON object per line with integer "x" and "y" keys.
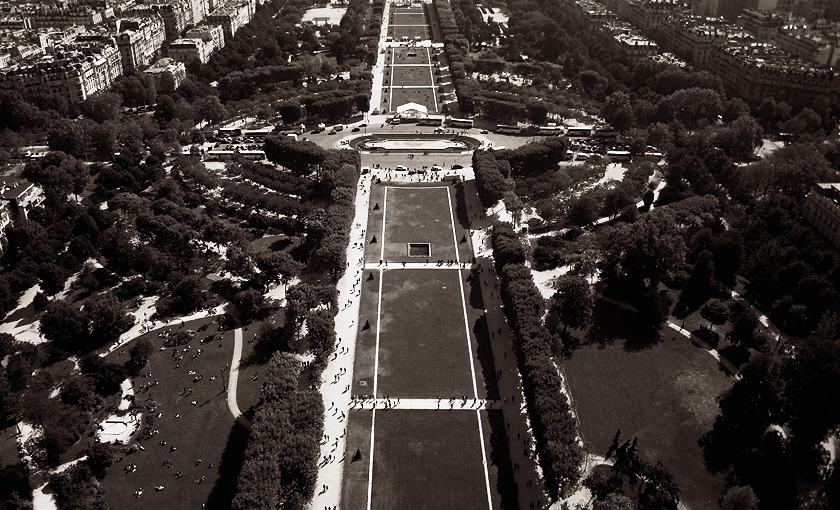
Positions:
{"x": 500, "y": 457}
{"x": 461, "y": 206}
{"x": 25, "y": 316}
{"x": 485, "y": 358}
{"x": 268, "y": 342}
{"x": 611, "y": 323}
{"x": 280, "y": 244}
{"x": 214, "y": 397}
{"x": 707, "y": 335}
{"x": 735, "y": 354}
{"x": 224, "y": 490}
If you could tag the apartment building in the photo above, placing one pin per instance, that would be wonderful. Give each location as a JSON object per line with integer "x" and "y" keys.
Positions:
{"x": 822, "y": 210}
{"x": 694, "y": 37}
{"x": 648, "y": 14}
{"x": 140, "y": 41}
{"x": 594, "y": 13}
{"x": 59, "y": 18}
{"x": 808, "y": 46}
{"x": 72, "y": 75}
{"x": 755, "y": 71}
{"x": 21, "y": 195}
{"x": 174, "y": 18}
{"x": 197, "y": 10}
{"x": 625, "y": 39}
{"x": 231, "y": 17}
{"x": 213, "y": 33}
{"x": 810, "y": 10}
{"x": 186, "y": 50}
{"x": 16, "y": 23}
{"x": 167, "y": 65}
{"x": 763, "y": 25}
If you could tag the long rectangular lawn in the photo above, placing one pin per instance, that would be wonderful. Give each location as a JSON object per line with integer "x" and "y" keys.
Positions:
{"x": 422, "y": 341}
{"x": 427, "y": 460}
{"x": 418, "y": 215}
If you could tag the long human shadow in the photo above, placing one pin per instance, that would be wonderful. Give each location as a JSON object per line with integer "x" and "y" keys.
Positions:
{"x": 224, "y": 490}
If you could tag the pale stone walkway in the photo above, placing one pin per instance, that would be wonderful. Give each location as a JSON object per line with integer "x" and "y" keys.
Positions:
{"x": 434, "y": 404}
{"x": 338, "y": 375}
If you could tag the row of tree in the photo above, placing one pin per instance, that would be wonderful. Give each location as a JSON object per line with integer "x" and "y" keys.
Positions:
{"x": 280, "y": 469}
{"x": 552, "y": 418}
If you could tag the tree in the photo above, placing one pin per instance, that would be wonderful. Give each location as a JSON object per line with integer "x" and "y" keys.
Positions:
{"x": 744, "y": 323}
{"x": 613, "y": 501}
{"x": 80, "y": 392}
{"x": 19, "y": 372}
{"x": 715, "y": 312}
{"x": 249, "y": 302}
{"x": 583, "y": 211}
{"x": 100, "y": 456}
{"x": 190, "y": 294}
{"x": 618, "y": 112}
{"x": 65, "y": 325}
{"x": 514, "y": 205}
{"x": 107, "y": 317}
{"x": 209, "y": 108}
{"x": 102, "y": 106}
{"x": 646, "y": 250}
{"x": 52, "y": 278}
{"x": 573, "y": 302}
{"x": 276, "y": 266}
{"x": 739, "y": 498}
{"x": 615, "y": 201}
{"x": 139, "y": 354}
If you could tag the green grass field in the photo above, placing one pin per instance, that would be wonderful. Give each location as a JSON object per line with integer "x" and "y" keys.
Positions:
{"x": 418, "y": 215}
{"x": 663, "y": 394}
{"x": 424, "y": 96}
{"x": 206, "y": 431}
{"x": 408, "y": 17}
{"x": 408, "y": 76}
{"x": 432, "y": 341}
{"x": 423, "y": 351}
{"x": 415, "y": 465}
{"x": 417, "y": 56}
{"x": 398, "y": 31}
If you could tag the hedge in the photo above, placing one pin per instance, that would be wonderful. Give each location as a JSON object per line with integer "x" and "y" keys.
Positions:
{"x": 552, "y": 419}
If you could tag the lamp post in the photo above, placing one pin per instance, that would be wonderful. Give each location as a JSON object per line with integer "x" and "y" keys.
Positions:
{"x": 224, "y": 386}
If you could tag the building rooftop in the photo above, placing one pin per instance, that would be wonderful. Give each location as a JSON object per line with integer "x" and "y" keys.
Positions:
{"x": 769, "y": 56}
{"x": 12, "y": 188}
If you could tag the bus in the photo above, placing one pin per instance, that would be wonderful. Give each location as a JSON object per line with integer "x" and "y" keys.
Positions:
{"x": 230, "y": 131}
{"x": 253, "y": 155}
{"x": 430, "y": 121}
{"x": 619, "y": 155}
{"x": 605, "y": 132}
{"x": 460, "y": 123}
{"x": 503, "y": 128}
{"x": 218, "y": 155}
{"x": 579, "y": 132}
{"x": 550, "y": 130}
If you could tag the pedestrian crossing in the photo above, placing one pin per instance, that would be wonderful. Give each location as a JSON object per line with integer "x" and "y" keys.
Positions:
{"x": 434, "y": 404}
